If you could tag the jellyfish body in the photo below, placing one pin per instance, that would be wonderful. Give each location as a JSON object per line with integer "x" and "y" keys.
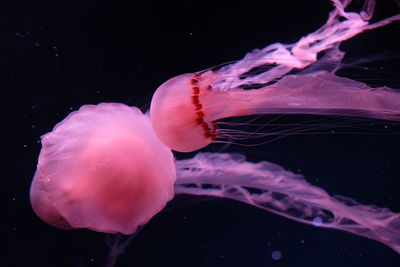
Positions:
{"x": 102, "y": 168}
{"x": 186, "y": 108}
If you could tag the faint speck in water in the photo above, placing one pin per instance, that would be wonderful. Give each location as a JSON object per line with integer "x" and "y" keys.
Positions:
{"x": 276, "y": 255}
{"x": 57, "y": 53}
{"x": 317, "y": 221}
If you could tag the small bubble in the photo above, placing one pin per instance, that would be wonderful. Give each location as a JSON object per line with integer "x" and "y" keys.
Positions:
{"x": 276, "y": 255}
{"x": 317, "y": 221}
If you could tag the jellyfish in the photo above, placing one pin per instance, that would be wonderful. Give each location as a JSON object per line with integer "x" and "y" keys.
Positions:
{"x": 110, "y": 168}
{"x": 103, "y": 168}
{"x": 91, "y": 172}
{"x": 203, "y": 98}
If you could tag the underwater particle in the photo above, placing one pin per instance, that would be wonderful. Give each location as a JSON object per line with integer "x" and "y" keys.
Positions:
{"x": 317, "y": 221}
{"x": 276, "y": 255}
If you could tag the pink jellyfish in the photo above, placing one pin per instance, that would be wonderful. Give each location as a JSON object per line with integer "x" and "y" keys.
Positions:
{"x": 110, "y": 168}
{"x": 96, "y": 171}
{"x": 203, "y": 98}
{"x": 103, "y": 168}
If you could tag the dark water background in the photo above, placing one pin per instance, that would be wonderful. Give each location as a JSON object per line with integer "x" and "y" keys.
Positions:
{"x": 58, "y": 55}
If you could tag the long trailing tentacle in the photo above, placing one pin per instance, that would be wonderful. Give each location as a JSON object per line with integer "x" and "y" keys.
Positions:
{"x": 268, "y": 186}
{"x": 340, "y": 26}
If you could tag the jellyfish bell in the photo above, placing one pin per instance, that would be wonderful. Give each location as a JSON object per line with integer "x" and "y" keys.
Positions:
{"x": 185, "y": 109}
{"x": 104, "y": 169}
{"x": 176, "y": 111}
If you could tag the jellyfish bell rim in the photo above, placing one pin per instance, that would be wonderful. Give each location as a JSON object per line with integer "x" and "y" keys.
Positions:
{"x": 43, "y": 207}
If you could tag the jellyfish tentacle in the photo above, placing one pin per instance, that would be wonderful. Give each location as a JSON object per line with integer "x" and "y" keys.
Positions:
{"x": 340, "y": 26}
{"x": 270, "y": 187}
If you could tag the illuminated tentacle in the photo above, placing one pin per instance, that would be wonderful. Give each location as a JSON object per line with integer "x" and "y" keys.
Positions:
{"x": 268, "y": 186}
